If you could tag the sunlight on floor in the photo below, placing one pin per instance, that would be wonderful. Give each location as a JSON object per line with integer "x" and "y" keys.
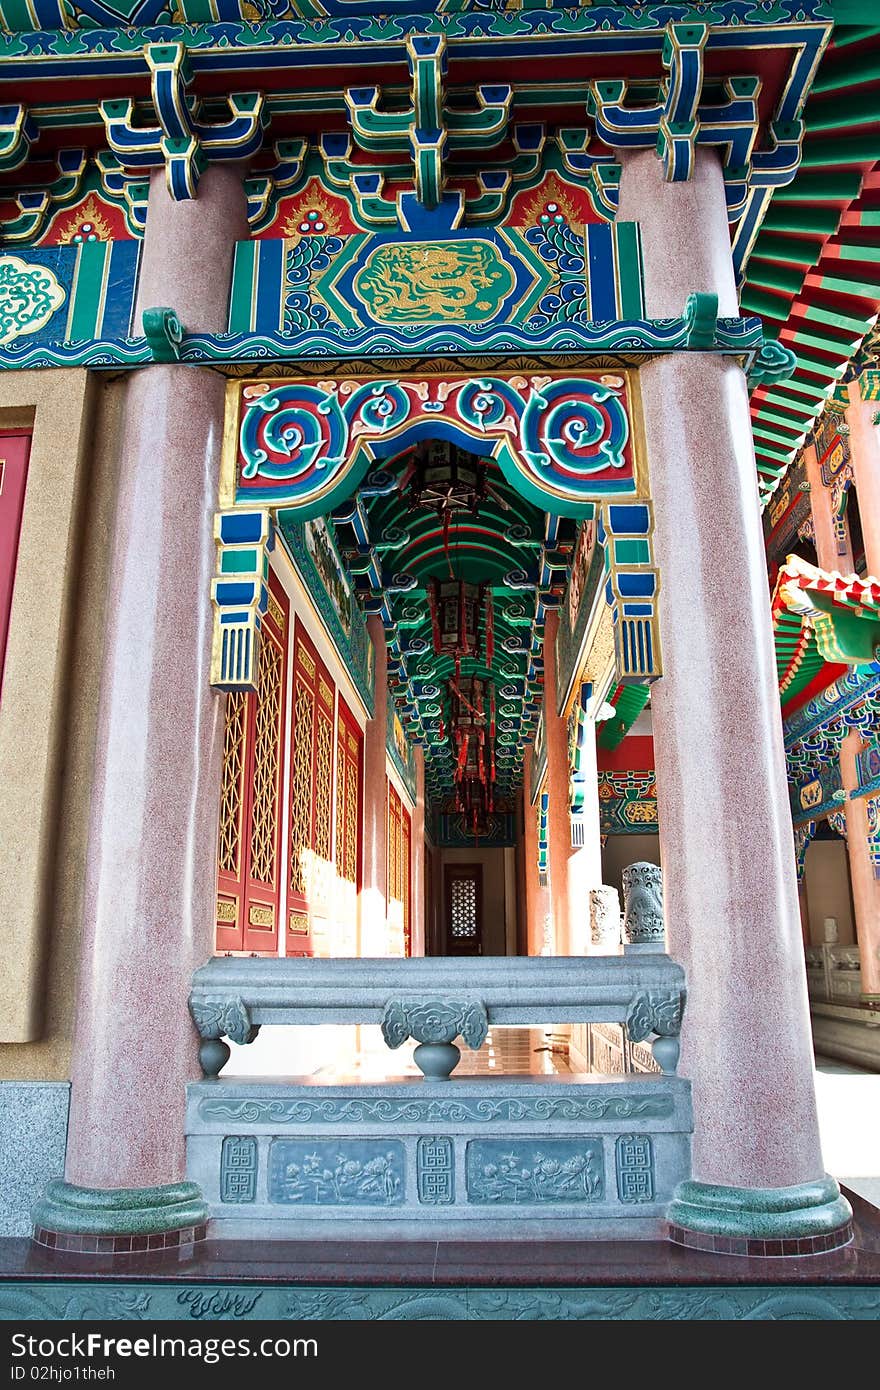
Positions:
{"x": 849, "y": 1122}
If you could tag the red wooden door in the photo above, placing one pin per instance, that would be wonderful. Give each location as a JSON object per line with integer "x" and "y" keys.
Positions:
{"x": 464, "y": 909}
{"x": 14, "y": 451}
{"x": 249, "y": 870}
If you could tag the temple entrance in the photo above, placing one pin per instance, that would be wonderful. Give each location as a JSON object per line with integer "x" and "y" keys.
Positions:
{"x": 464, "y": 909}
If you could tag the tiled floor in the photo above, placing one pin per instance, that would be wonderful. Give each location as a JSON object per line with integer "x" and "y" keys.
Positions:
{"x": 506, "y": 1051}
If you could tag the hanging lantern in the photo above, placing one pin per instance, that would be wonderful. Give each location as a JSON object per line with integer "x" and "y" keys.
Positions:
{"x": 446, "y": 478}
{"x": 455, "y": 615}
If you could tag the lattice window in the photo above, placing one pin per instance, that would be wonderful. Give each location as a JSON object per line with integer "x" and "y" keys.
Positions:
{"x": 232, "y": 788}
{"x": 267, "y": 765}
{"x": 250, "y": 797}
{"x": 311, "y": 791}
{"x": 301, "y": 783}
{"x": 348, "y": 793}
{"x": 399, "y": 868}
{"x": 463, "y": 907}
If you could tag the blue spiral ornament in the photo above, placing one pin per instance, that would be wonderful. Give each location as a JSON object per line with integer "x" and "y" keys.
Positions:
{"x": 377, "y": 408}
{"x": 484, "y": 403}
{"x": 572, "y": 433}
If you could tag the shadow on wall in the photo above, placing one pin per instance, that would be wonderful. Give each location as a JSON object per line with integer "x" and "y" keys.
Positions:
{"x": 620, "y": 850}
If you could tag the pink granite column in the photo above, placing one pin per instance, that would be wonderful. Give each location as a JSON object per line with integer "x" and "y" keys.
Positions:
{"x": 373, "y": 910}
{"x": 536, "y": 895}
{"x": 730, "y": 892}
{"x": 864, "y": 443}
{"x": 827, "y": 554}
{"x": 417, "y": 906}
{"x": 151, "y": 866}
{"x": 865, "y": 887}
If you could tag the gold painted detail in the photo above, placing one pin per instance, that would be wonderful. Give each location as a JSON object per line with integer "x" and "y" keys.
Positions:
{"x": 341, "y": 797}
{"x": 301, "y": 781}
{"x": 261, "y": 915}
{"x": 298, "y": 923}
{"x": 231, "y": 787}
{"x": 267, "y": 758}
{"x": 434, "y": 280}
{"x": 90, "y": 217}
{"x": 640, "y": 812}
{"x": 326, "y": 692}
{"x": 276, "y": 613}
{"x": 227, "y": 909}
{"x": 305, "y": 660}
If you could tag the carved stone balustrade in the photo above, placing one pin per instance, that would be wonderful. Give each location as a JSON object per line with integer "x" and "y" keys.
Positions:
{"x": 834, "y": 973}
{"x": 435, "y": 1000}
{"x": 475, "y": 1157}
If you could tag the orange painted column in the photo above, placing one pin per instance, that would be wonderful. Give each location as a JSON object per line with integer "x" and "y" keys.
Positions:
{"x": 537, "y": 897}
{"x": 417, "y": 852}
{"x": 569, "y": 902}
{"x": 823, "y": 519}
{"x": 865, "y": 887}
{"x": 373, "y": 909}
{"x": 864, "y": 445}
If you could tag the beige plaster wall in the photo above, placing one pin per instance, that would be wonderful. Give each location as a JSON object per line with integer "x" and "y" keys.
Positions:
{"x": 49, "y": 705}
{"x": 826, "y": 875}
{"x": 495, "y": 906}
{"x": 620, "y": 850}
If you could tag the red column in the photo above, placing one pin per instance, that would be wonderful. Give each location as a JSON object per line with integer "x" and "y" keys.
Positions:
{"x": 864, "y": 444}
{"x": 373, "y": 907}
{"x": 865, "y": 887}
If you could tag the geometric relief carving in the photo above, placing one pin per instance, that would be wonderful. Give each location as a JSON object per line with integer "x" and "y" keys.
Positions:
{"x": 238, "y": 1169}
{"x": 231, "y": 788}
{"x": 635, "y": 1168}
{"x": 435, "y": 1170}
{"x": 328, "y": 1173}
{"x": 511, "y": 1171}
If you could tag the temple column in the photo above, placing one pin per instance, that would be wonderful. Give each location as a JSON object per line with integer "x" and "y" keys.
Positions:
{"x": 585, "y": 863}
{"x": 827, "y": 553}
{"x": 150, "y": 878}
{"x": 536, "y": 894}
{"x": 725, "y": 826}
{"x": 417, "y": 896}
{"x": 373, "y": 914}
{"x": 559, "y": 847}
{"x": 864, "y": 442}
{"x": 865, "y": 887}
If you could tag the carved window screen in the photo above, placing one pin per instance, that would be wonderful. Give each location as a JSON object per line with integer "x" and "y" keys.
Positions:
{"x": 312, "y": 748}
{"x": 249, "y": 846}
{"x": 399, "y": 868}
{"x": 349, "y": 753}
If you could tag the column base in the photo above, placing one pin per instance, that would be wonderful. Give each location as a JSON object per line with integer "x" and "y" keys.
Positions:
{"x": 808, "y": 1219}
{"x": 110, "y": 1221}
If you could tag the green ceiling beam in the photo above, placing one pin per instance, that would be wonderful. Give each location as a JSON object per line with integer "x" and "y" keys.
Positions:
{"x": 762, "y": 302}
{"x": 787, "y": 442}
{"x": 842, "y": 113}
{"x": 827, "y": 341}
{"x": 801, "y": 218}
{"x": 852, "y": 286}
{"x": 819, "y": 314}
{"x": 776, "y": 455}
{"x": 819, "y": 188}
{"x": 792, "y": 250}
{"x": 775, "y": 277}
{"x": 851, "y": 72}
{"x": 827, "y": 154}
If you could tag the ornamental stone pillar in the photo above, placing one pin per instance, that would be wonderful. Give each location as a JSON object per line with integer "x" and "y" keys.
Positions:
{"x": 863, "y": 418}
{"x": 373, "y": 913}
{"x": 865, "y": 886}
{"x": 726, "y": 845}
{"x": 151, "y": 859}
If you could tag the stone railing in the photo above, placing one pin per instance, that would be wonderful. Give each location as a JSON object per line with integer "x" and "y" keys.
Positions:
{"x": 437, "y": 1000}
{"x": 501, "y": 1156}
{"x": 834, "y": 974}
